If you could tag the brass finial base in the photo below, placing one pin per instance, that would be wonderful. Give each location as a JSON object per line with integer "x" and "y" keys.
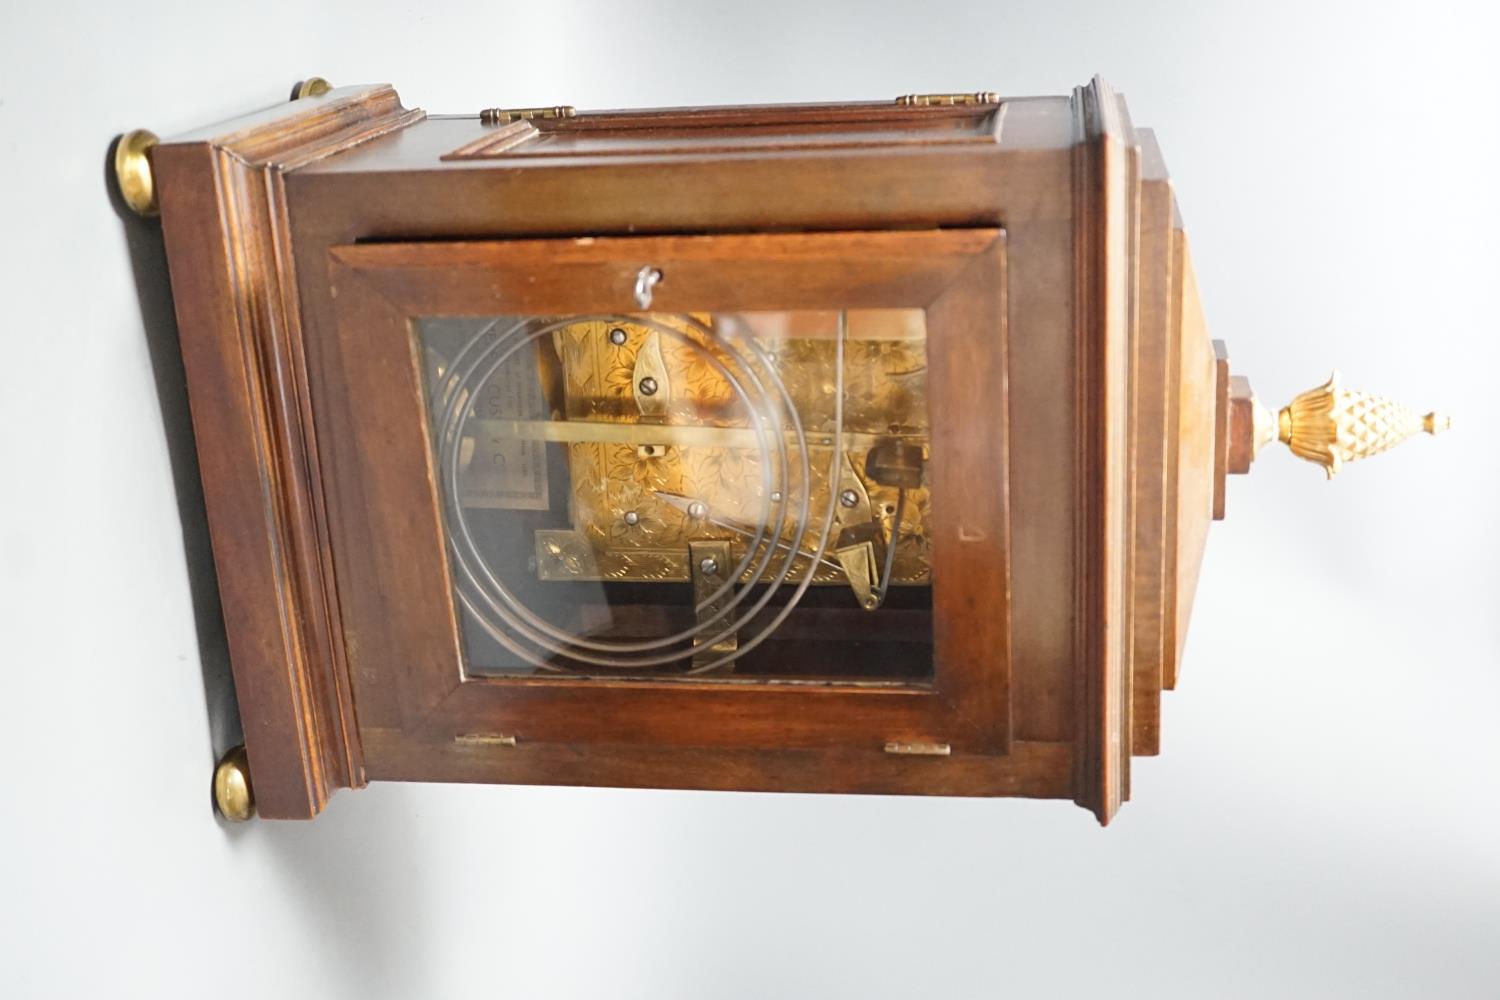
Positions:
{"x": 133, "y": 171}
{"x": 233, "y": 795}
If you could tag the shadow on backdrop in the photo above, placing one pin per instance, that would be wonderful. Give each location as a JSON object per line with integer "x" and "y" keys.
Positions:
{"x": 351, "y": 870}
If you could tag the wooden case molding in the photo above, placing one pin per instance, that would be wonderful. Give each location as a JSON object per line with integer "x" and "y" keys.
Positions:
{"x": 224, "y": 219}
{"x": 1106, "y": 180}
{"x": 303, "y": 238}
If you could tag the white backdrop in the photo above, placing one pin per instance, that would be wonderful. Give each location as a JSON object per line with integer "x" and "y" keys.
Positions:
{"x": 1324, "y": 820}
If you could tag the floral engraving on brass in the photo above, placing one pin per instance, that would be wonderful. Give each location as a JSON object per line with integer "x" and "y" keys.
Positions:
{"x": 885, "y": 367}
{"x": 747, "y": 467}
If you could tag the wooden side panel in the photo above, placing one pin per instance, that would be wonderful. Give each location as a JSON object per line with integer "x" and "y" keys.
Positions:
{"x": 1026, "y": 181}
{"x": 229, "y": 250}
{"x": 1107, "y": 185}
{"x": 1198, "y": 386}
{"x": 397, "y": 189}
{"x": 1151, "y": 385}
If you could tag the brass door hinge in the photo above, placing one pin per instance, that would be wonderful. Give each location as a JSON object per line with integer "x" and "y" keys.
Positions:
{"x": 919, "y": 749}
{"x": 499, "y": 116}
{"x": 947, "y": 100}
{"x": 485, "y": 739}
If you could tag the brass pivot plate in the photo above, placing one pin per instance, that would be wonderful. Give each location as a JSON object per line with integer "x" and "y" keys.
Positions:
{"x": 711, "y": 567}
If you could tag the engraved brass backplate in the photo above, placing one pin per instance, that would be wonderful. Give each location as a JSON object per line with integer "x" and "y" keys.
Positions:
{"x": 638, "y": 465}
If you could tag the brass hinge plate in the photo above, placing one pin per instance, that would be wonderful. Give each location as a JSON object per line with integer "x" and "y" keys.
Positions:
{"x": 499, "y": 116}
{"x": 485, "y": 739}
{"x": 919, "y": 749}
{"x": 947, "y": 100}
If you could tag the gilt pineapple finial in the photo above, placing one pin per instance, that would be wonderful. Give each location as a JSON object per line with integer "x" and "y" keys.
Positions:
{"x": 1331, "y": 425}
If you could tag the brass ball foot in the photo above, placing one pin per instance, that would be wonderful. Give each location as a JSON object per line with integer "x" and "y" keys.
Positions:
{"x": 233, "y": 796}
{"x": 133, "y": 171}
{"x": 313, "y": 86}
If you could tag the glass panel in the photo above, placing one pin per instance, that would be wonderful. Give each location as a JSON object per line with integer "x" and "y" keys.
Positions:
{"x": 721, "y": 497}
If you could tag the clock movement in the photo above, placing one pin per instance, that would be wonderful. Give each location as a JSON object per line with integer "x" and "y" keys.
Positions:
{"x": 860, "y": 447}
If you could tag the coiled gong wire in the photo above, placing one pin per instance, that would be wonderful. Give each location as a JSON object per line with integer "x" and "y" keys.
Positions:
{"x": 489, "y": 580}
{"x": 507, "y": 620}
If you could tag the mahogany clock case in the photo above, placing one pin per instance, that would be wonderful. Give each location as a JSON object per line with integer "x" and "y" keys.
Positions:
{"x": 1071, "y": 451}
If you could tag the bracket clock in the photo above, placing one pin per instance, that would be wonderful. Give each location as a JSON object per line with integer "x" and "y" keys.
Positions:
{"x": 858, "y": 447}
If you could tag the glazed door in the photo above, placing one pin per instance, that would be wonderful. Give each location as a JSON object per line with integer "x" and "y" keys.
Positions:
{"x": 741, "y": 492}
